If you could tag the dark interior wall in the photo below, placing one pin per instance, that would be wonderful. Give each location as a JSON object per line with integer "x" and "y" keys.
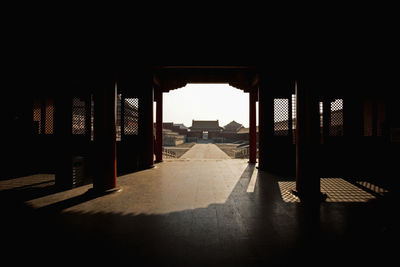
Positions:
{"x": 132, "y": 151}
{"x": 278, "y": 152}
{"x": 351, "y": 154}
{"x": 32, "y": 153}
{"x": 18, "y": 148}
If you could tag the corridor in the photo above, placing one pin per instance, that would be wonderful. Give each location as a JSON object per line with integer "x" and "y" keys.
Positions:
{"x": 190, "y": 213}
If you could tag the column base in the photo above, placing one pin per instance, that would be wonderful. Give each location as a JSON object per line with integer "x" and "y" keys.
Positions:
{"x": 158, "y": 161}
{"x": 260, "y": 167}
{"x": 99, "y": 192}
{"x": 320, "y": 197}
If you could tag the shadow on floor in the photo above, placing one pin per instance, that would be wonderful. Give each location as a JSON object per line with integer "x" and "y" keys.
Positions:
{"x": 249, "y": 229}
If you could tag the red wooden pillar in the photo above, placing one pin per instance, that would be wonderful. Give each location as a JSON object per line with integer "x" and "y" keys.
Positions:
{"x": 353, "y": 125}
{"x": 63, "y": 136}
{"x": 265, "y": 125}
{"x": 307, "y": 140}
{"x": 148, "y": 125}
{"x": 261, "y": 129}
{"x": 252, "y": 122}
{"x": 105, "y": 137}
{"x": 159, "y": 125}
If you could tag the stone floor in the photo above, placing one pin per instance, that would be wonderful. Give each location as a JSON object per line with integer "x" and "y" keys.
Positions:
{"x": 203, "y": 212}
{"x": 205, "y": 151}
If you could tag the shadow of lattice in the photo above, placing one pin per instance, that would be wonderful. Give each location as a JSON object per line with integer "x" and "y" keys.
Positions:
{"x": 337, "y": 190}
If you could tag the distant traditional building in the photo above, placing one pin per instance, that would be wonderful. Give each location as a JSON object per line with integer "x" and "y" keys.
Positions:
{"x": 243, "y": 133}
{"x": 230, "y": 132}
{"x": 173, "y": 134}
{"x": 212, "y": 131}
{"x": 232, "y": 127}
{"x": 205, "y": 129}
{"x": 171, "y": 138}
{"x": 179, "y": 128}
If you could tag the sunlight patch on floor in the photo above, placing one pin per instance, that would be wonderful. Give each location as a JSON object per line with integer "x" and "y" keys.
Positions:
{"x": 35, "y": 180}
{"x": 377, "y": 189}
{"x": 337, "y": 190}
{"x": 253, "y": 181}
{"x": 286, "y": 194}
{"x": 171, "y": 187}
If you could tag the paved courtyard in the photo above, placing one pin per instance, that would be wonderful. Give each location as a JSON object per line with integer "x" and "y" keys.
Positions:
{"x": 205, "y": 151}
{"x": 194, "y": 212}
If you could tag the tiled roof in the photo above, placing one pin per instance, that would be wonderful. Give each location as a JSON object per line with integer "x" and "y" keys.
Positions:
{"x": 180, "y": 125}
{"x": 246, "y": 130}
{"x": 233, "y": 126}
{"x": 205, "y": 125}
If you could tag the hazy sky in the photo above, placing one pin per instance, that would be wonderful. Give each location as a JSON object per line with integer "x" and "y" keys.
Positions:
{"x": 206, "y": 102}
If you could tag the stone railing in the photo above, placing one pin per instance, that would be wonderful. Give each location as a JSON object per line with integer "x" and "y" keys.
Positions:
{"x": 243, "y": 153}
{"x": 168, "y": 154}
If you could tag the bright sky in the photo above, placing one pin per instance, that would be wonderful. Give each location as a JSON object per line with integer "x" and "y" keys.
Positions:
{"x": 206, "y": 102}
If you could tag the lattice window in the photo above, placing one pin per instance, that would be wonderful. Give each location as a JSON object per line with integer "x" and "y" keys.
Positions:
{"x": 43, "y": 116}
{"x": 118, "y": 119}
{"x": 131, "y": 116}
{"x": 321, "y": 121}
{"x": 37, "y": 116}
{"x": 49, "y": 116}
{"x": 294, "y": 117}
{"x": 336, "y": 120}
{"x": 78, "y": 116}
{"x": 281, "y": 116}
{"x": 321, "y": 115}
{"x": 91, "y": 118}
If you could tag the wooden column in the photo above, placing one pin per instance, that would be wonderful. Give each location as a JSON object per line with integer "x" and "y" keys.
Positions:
{"x": 63, "y": 137}
{"x": 105, "y": 137}
{"x": 147, "y": 133}
{"x": 265, "y": 124}
{"x": 353, "y": 134}
{"x": 159, "y": 125}
{"x": 307, "y": 140}
{"x": 326, "y": 119}
{"x": 252, "y": 122}
{"x": 261, "y": 129}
